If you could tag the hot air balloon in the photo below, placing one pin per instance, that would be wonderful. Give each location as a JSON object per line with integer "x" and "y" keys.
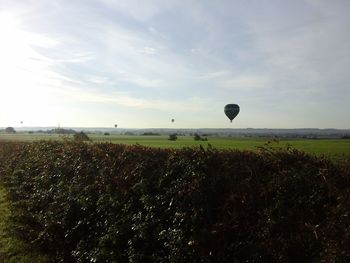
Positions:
{"x": 231, "y": 111}
{"x": 172, "y": 120}
{"x": 115, "y": 125}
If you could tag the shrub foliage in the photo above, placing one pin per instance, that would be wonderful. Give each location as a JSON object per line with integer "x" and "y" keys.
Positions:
{"x": 113, "y": 203}
{"x": 81, "y": 136}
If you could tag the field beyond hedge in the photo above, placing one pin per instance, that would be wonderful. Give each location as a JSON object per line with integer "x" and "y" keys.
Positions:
{"x": 334, "y": 148}
{"x": 77, "y": 202}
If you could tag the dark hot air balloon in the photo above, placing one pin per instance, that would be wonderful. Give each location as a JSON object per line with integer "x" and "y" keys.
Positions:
{"x": 231, "y": 111}
{"x": 172, "y": 120}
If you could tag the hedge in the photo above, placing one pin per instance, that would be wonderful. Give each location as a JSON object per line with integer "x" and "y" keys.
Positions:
{"x": 79, "y": 202}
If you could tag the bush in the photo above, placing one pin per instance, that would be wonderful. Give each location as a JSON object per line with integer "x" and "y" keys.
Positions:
{"x": 173, "y": 137}
{"x": 114, "y": 203}
{"x": 81, "y": 136}
{"x": 197, "y": 137}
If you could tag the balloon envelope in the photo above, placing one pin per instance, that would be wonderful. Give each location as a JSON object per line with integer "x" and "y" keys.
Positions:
{"x": 116, "y": 125}
{"x": 172, "y": 120}
{"x": 231, "y": 111}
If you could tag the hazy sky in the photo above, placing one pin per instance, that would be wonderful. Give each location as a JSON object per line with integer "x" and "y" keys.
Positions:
{"x": 139, "y": 64}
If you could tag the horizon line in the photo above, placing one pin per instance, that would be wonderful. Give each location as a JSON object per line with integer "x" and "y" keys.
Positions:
{"x": 178, "y": 128}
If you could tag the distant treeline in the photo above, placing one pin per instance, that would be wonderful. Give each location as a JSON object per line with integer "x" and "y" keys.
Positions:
{"x": 56, "y": 131}
{"x": 151, "y": 134}
{"x": 249, "y": 133}
{"x": 51, "y": 131}
{"x": 82, "y": 202}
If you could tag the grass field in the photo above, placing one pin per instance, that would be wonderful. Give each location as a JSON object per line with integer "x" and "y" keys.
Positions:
{"x": 333, "y": 147}
{"x": 26, "y": 137}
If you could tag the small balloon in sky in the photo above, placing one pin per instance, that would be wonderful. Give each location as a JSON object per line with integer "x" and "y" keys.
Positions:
{"x": 231, "y": 111}
{"x": 115, "y": 125}
{"x": 172, "y": 120}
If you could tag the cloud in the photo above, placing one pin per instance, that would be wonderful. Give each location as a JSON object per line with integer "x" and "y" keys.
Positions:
{"x": 140, "y": 10}
{"x": 74, "y": 93}
{"x": 244, "y": 82}
{"x": 148, "y": 51}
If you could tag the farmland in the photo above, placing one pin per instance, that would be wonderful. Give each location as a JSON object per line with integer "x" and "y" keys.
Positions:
{"x": 329, "y": 147}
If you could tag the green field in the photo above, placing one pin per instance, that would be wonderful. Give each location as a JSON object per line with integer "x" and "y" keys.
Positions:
{"x": 26, "y": 137}
{"x": 334, "y": 147}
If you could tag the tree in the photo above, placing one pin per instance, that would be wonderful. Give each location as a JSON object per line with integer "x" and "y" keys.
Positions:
{"x": 81, "y": 136}
{"x": 197, "y": 137}
{"x": 10, "y": 130}
{"x": 173, "y": 137}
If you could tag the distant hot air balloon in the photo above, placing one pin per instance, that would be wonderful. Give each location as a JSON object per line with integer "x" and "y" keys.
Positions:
{"x": 116, "y": 125}
{"x": 231, "y": 111}
{"x": 172, "y": 120}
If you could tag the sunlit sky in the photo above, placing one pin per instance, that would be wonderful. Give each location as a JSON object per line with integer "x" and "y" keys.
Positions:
{"x": 138, "y": 64}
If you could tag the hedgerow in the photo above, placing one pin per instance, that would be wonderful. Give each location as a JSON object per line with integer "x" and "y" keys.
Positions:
{"x": 80, "y": 202}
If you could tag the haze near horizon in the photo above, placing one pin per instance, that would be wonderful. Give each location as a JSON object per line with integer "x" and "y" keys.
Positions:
{"x": 140, "y": 64}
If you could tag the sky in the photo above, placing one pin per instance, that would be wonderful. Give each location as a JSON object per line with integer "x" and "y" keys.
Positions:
{"x": 139, "y": 64}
